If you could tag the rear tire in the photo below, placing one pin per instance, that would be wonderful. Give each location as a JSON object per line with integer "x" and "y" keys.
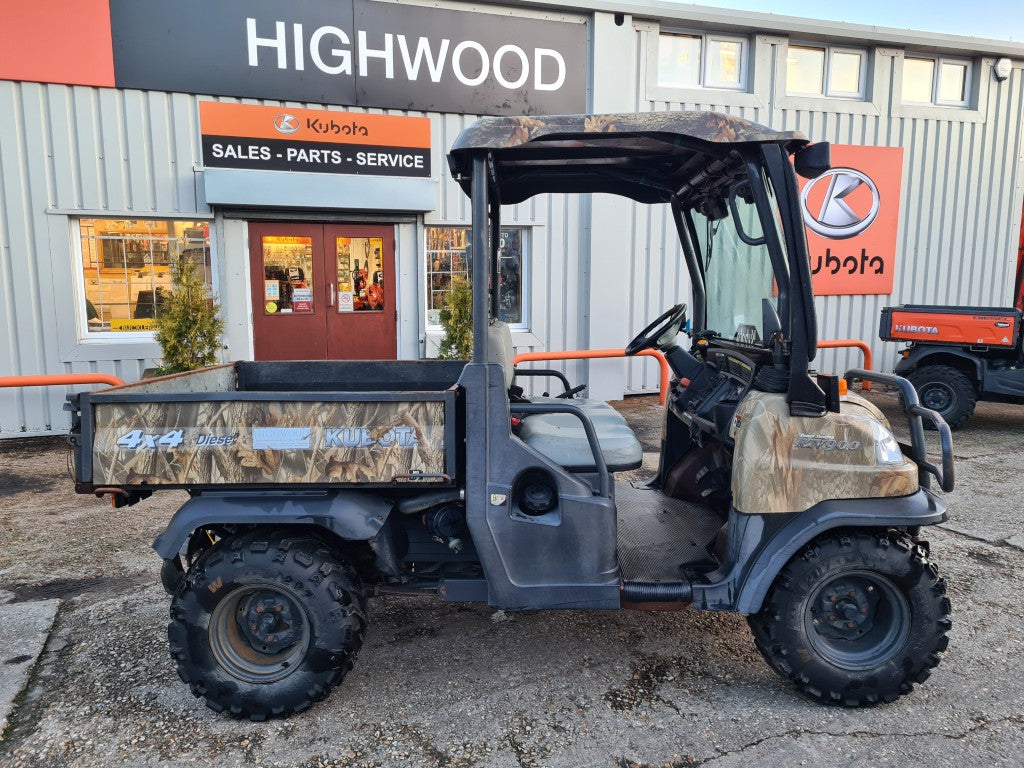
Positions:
{"x": 266, "y": 623}
{"x": 946, "y": 390}
{"x": 855, "y": 619}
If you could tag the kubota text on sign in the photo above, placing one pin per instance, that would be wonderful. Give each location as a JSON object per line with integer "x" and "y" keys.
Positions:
{"x": 851, "y": 214}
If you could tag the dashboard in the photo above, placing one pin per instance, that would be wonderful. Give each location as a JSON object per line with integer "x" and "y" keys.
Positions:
{"x": 710, "y": 400}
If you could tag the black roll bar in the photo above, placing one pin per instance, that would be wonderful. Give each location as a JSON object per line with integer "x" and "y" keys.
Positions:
{"x": 481, "y": 241}
{"x": 917, "y": 414}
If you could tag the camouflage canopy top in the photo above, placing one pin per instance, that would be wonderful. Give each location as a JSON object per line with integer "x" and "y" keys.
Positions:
{"x": 646, "y": 156}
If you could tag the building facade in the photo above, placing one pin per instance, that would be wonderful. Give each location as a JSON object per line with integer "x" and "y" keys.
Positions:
{"x": 298, "y": 156}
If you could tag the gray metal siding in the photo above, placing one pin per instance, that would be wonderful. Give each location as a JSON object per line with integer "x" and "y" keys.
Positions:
{"x": 73, "y": 150}
{"x": 67, "y": 151}
{"x": 961, "y": 203}
{"x": 961, "y": 197}
{"x": 554, "y": 256}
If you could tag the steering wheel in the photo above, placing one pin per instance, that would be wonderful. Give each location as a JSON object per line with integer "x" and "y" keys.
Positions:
{"x": 659, "y": 333}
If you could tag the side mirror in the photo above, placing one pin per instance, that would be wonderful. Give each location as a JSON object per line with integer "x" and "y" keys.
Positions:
{"x": 813, "y": 160}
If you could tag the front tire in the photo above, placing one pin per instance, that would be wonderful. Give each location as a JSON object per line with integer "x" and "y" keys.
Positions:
{"x": 266, "y": 623}
{"x": 946, "y": 390}
{"x": 855, "y": 618}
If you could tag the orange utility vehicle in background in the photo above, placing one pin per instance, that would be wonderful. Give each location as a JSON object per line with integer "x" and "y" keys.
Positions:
{"x": 956, "y": 356}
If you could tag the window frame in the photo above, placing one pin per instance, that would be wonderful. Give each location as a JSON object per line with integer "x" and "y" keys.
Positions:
{"x": 83, "y": 333}
{"x": 525, "y": 275}
{"x": 938, "y": 60}
{"x": 827, "y": 91}
{"x": 743, "y": 67}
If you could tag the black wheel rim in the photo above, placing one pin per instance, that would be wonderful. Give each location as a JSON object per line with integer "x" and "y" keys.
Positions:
{"x": 939, "y": 397}
{"x": 857, "y": 620}
{"x": 259, "y": 634}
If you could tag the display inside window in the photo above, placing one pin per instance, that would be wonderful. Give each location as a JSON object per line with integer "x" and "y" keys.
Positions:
{"x": 287, "y": 275}
{"x": 360, "y": 274}
{"x": 126, "y": 268}
{"x": 700, "y": 61}
{"x": 448, "y": 257}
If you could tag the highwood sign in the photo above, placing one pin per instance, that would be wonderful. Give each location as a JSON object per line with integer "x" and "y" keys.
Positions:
{"x": 851, "y": 215}
{"x": 289, "y": 139}
{"x": 352, "y": 52}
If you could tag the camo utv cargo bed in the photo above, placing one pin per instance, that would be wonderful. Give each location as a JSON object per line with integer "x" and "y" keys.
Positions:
{"x": 311, "y": 423}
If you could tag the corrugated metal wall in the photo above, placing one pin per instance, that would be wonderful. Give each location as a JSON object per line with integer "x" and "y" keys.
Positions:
{"x": 961, "y": 198}
{"x": 554, "y": 252}
{"x": 70, "y": 151}
{"x": 75, "y": 149}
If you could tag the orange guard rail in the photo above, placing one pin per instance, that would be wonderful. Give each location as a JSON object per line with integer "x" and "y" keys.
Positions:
{"x": 60, "y": 379}
{"x": 589, "y": 354}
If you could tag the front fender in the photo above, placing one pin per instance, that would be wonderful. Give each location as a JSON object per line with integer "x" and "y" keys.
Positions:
{"x": 761, "y": 545}
{"x": 353, "y": 515}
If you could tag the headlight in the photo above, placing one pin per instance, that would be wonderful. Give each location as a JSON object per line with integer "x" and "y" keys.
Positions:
{"x": 887, "y": 450}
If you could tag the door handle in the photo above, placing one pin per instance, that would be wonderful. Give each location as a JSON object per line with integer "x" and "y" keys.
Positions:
{"x": 330, "y": 294}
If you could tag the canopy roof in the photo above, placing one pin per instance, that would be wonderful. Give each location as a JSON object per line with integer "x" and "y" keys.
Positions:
{"x": 647, "y": 156}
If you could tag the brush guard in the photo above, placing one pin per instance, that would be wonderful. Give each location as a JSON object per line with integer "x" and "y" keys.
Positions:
{"x": 917, "y": 415}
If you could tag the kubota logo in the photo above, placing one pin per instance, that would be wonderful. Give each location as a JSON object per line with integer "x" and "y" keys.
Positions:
{"x": 286, "y": 123}
{"x": 836, "y": 217}
{"x": 929, "y": 329}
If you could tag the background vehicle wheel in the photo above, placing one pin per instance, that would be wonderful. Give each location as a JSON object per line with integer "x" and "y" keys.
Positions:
{"x": 855, "y": 618}
{"x": 266, "y": 622}
{"x": 946, "y": 390}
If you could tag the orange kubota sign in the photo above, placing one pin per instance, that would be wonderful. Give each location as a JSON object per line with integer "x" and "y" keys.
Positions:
{"x": 851, "y": 215}
{"x": 313, "y": 140}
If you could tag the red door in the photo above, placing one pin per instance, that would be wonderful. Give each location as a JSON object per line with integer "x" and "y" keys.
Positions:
{"x": 323, "y": 292}
{"x": 361, "y": 316}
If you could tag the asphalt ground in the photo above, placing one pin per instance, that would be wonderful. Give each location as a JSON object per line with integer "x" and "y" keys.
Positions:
{"x": 463, "y": 685}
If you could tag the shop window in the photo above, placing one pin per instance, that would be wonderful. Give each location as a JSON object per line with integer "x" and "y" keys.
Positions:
{"x": 826, "y": 71}
{"x": 448, "y": 257}
{"x": 702, "y": 61}
{"x": 126, "y": 268}
{"x": 936, "y": 80}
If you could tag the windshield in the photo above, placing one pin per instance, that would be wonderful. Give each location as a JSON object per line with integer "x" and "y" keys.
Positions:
{"x": 738, "y": 275}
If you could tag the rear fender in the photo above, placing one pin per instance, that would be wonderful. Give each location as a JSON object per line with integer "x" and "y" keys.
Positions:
{"x": 923, "y": 355}
{"x": 351, "y": 515}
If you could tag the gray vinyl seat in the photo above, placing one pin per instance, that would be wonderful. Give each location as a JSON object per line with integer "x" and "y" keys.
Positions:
{"x": 561, "y": 436}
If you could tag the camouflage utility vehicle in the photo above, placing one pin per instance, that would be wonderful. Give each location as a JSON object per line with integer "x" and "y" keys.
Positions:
{"x": 776, "y": 496}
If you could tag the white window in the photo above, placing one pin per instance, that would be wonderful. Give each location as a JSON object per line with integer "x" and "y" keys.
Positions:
{"x": 448, "y": 258}
{"x": 702, "y": 61}
{"x": 813, "y": 70}
{"x": 936, "y": 80}
{"x": 125, "y": 269}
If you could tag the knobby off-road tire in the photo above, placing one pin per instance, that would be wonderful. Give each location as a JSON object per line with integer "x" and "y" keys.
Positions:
{"x": 266, "y": 622}
{"x": 946, "y": 390}
{"x": 855, "y": 618}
